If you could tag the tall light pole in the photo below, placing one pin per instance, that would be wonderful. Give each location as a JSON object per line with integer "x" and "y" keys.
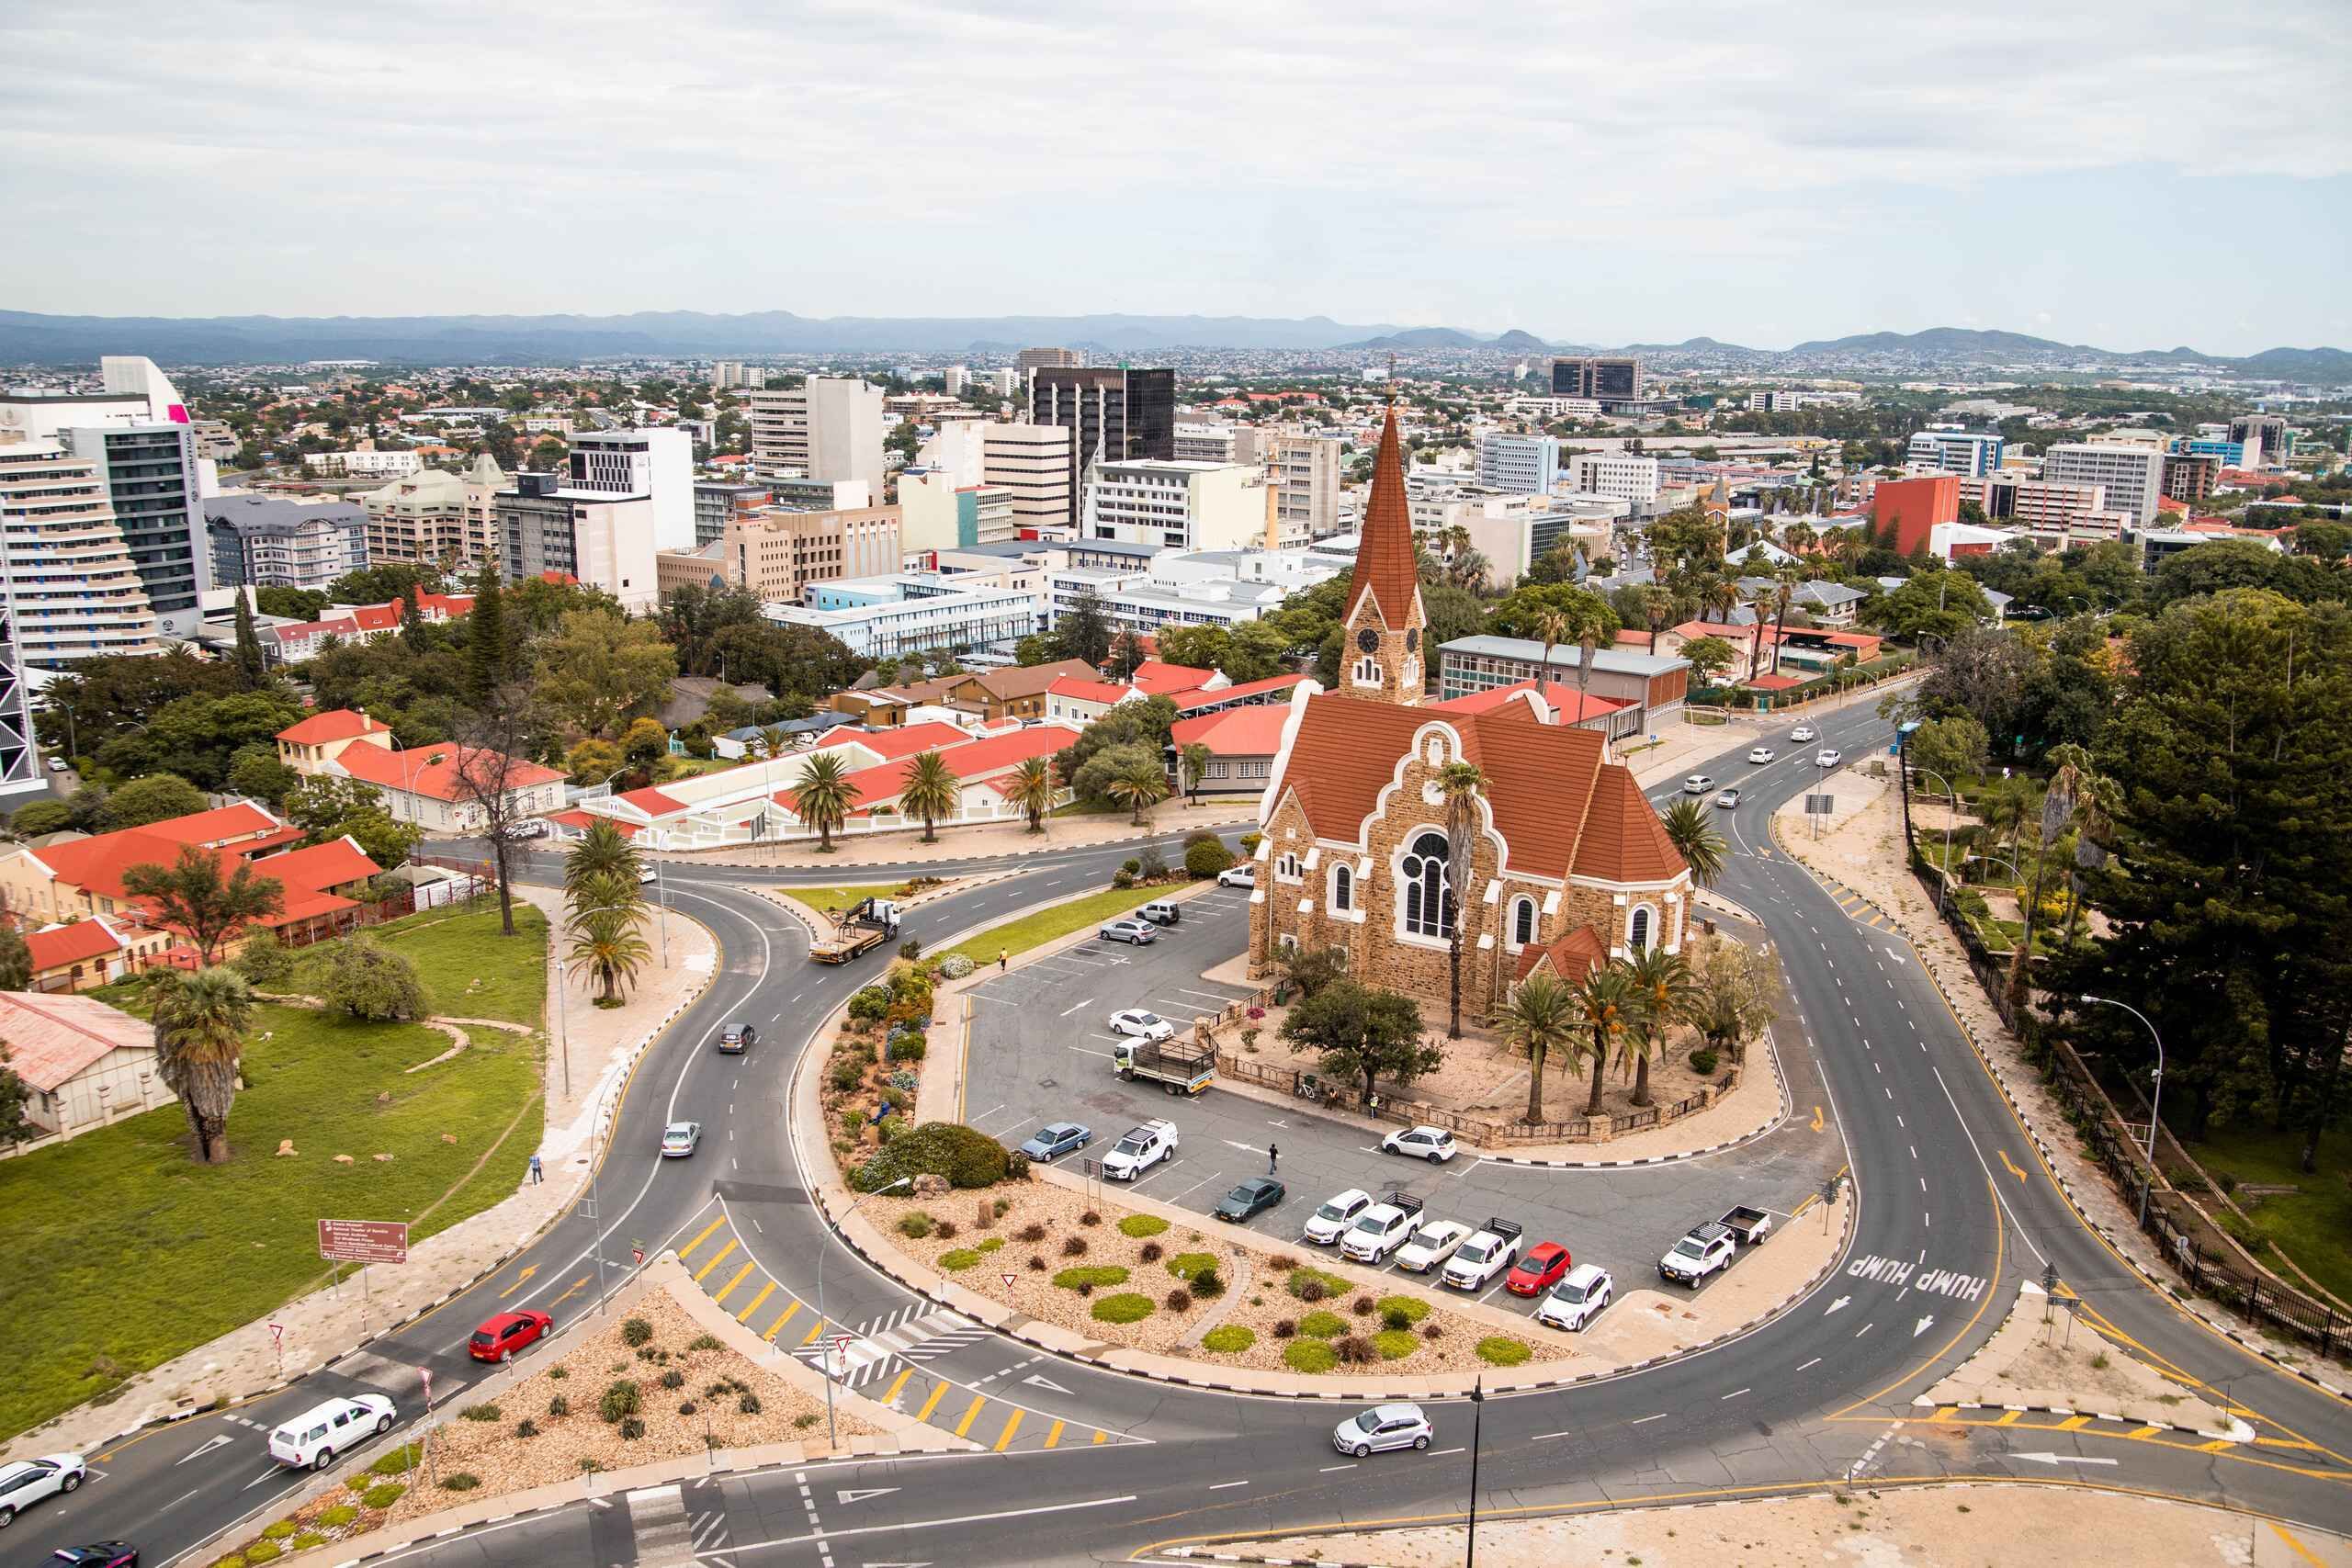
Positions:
{"x": 596, "y": 1191}
{"x": 821, "y": 1318}
{"x": 1477, "y": 1425}
{"x": 1944, "y": 879}
{"x": 2156, "y": 1094}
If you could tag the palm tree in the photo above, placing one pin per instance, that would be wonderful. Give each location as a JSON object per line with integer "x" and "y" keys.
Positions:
{"x": 1783, "y": 592}
{"x": 200, "y": 1021}
{"x": 1694, "y": 838}
{"x": 1552, "y": 628}
{"x": 1539, "y": 1017}
{"x": 1462, "y": 784}
{"x": 1657, "y": 603}
{"x": 606, "y": 890}
{"x": 610, "y": 939}
{"x": 1587, "y": 646}
{"x": 1604, "y": 1006}
{"x": 605, "y": 851}
{"x": 1141, "y": 787}
{"x": 929, "y": 792}
{"x": 1195, "y": 758}
{"x": 821, "y": 798}
{"x": 1797, "y": 539}
{"x": 1031, "y": 788}
{"x": 772, "y": 740}
{"x": 1664, "y": 989}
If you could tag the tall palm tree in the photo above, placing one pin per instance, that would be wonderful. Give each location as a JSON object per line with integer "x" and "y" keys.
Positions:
{"x": 605, "y": 851}
{"x": 1783, "y": 592}
{"x": 1587, "y": 646}
{"x": 929, "y": 792}
{"x": 1553, "y": 627}
{"x": 1664, "y": 989}
{"x": 1141, "y": 787}
{"x": 1657, "y": 605}
{"x": 606, "y": 890}
{"x": 1539, "y": 1017}
{"x": 1797, "y": 539}
{"x": 1462, "y": 784}
{"x": 772, "y": 740}
{"x": 1032, "y": 789}
{"x": 610, "y": 939}
{"x": 200, "y": 1021}
{"x": 1194, "y": 757}
{"x": 1694, "y": 838}
{"x": 821, "y": 798}
{"x": 1604, "y": 1009}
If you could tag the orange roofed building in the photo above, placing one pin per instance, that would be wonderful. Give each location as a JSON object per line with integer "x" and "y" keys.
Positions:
{"x": 1568, "y": 858}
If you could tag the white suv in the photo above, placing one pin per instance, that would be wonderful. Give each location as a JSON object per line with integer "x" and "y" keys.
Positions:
{"x": 28, "y": 1480}
{"x": 1328, "y": 1223}
{"x": 315, "y": 1436}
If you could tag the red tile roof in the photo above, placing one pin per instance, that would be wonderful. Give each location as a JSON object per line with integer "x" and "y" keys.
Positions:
{"x": 377, "y": 617}
{"x": 1255, "y": 732}
{"x": 1166, "y": 680}
{"x": 337, "y": 724}
{"x": 1089, "y": 691}
{"x": 433, "y": 770}
{"x": 971, "y": 762}
{"x": 1227, "y": 695}
{"x": 585, "y": 819}
{"x": 1573, "y": 958}
{"x": 1385, "y": 565}
{"x": 1622, "y": 840}
{"x": 1769, "y": 681}
{"x": 652, "y": 802}
{"x": 905, "y": 740}
{"x": 1568, "y": 705}
{"x": 77, "y": 943}
{"x": 97, "y": 864}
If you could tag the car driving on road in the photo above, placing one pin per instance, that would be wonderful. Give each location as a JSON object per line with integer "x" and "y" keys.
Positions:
{"x": 1727, "y": 798}
{"x": 1055, "y": 1139}
{"x": 312, "y": 1439}
{"x": 1138, "y": 933}
{"x": 738, "y": 1037}
{"x": 97, "y": 1554}
{"x": 1697, "y": 784}
{"x": 1382, "y": 1426}
{"x": 1434, "y": 1144}
{"x": 1829, "y": 757}
{"x": 679, "y": 1139}
{"x": 1801, "y": 734}
{"x": 500, "y": 1337}
{"x": 1760, "y": 754}
{"x": 26, "y": 1482}
{"x": 1330, "y": 1222}
{"x": 1250, "y": 1199}
{"x": 1142, "y": 1023}
{"x": 1576, "y": 1300}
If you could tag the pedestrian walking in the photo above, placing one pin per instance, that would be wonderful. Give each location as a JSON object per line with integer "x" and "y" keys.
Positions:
{"x": 1273, "y": 1157}
{"x": 536, "y": 1174}
{"x": 1001, "y": 958}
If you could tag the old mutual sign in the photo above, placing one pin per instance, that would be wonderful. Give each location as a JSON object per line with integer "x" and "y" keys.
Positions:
{"x": 364, "y": 1241}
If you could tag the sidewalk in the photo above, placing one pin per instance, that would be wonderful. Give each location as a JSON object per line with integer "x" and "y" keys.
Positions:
{"x": 904, "y": 846}
{"x": 330, "y": 1322}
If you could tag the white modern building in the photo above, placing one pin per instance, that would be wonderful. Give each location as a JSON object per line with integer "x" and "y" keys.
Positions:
{"x": 1552, "y": 408}
{"x": 2132, "y": 475}
{"x": 827, "y": 428}
{"x": 72, "y": 591}
{"x": 362, "y": 465}
{"x": 1184, "y": 506}
{"x": 1523, "y": 465}
{"x": 1618, "y": 475}
{"x": 1955, "y": 452}
{"x": 656, "y": 464}
{"x": 734, "y": 376}
{"x": 915, "y": 612}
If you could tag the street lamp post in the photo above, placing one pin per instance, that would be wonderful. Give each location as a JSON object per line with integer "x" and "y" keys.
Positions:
{"x": 1942, "y": 880}
{"x": 822, "y": 1319}
{"x": 596, "y": 1192}
{"x": 1477, "y": 1425}
{"x": 2156, "y": 1094}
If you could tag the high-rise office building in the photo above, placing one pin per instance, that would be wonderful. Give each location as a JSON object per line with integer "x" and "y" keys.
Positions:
{"x": 1178, "y": 506}
{"x": 1621, "y": 475}
{"x": 1524, "y": 465}
{"x": 657, "y": 463}
{"x": 828, "y": 428}
{"x": 2134, "y": 476}
{"x": 1306, "y": 482}
{"x": 1597, "y": 375}
{"x": 72, "y": 591}
{"x": 777, "y": 554}
{"x": 604, "y": 541}
{"x": 953, "y": 379}
{"x": 1031, "y": 463}
{"x": 2190, "y": 476}
{"x": 1119, "y": 414}
{"x": 734, "y": 376}
{"x": 1029, "y": 359}
{"x": 2270, "y": 430}
{"x": 716, "y": 501}
{"x": 1956, "y": 452}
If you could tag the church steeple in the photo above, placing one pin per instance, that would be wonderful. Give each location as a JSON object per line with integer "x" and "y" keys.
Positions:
{"x": 1384, "y": 658}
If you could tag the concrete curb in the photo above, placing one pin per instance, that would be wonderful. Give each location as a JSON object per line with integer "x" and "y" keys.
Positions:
{"x": 1924, "y": 1401}
{"x": 2169, "y": 1289}
{"x": 1773, "y": 1124}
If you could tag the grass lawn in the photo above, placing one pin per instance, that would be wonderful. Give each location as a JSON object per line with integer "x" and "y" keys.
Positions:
{"x": 1091, "y": 809}
{"x": 2312, "y": 1225}
{"x": 1031, "y": 930}
{"x": 694, "y": 767}
{"x": 124, "y": 1254}
{"x": 470, "y": 970}
{"x": 838, "y": 896}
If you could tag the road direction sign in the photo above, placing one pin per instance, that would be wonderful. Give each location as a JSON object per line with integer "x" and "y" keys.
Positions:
{"x": 364, "y": 1241}
{"x": 1821, "y": 806}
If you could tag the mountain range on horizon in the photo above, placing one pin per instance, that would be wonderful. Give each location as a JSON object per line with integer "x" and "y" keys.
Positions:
{"x": 28, "y": 338}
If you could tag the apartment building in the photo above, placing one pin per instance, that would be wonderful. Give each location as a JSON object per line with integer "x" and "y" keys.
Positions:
{"x": 71, "y": 589}
{"x": 2190, "y": 476}
{"x": 2131, "y": 475}
{"x": 1305, "y": 474}
{"x": 2041, "y": 505}
{"x": 605, "y": 542}
{"x": 1219, "y": 442}
{"x": 362, "y": 465}
{"x": 779, "y": 555}
{"x": 1029, "y": 359}
{"x": 1118, "y": 413}
{"x": 1521, "y": 464}
{"x": 1031, "y": 463}
{"x": 820, "y": 495}
{"x": 936, "y": 514}
{"x": 438, "y": 516}
{"x": 267, "y": 541}
{"x": 717, "y": 500}
{"x": 2266, "y": 431}
{"x": 1598, "y": 376}
{"x": 653, "y": 463}
{"x": 1617, "y": 475}
{"x": 827, "y": 428}
{"x": 1552, "y": 408}
{"x": 1955, "y": 452}
{"x": 734, "y": 376}
{"x": 1183, "y": 506}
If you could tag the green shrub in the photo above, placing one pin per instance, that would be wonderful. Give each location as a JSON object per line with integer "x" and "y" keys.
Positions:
{"x": 1123, "y": 879}
{"x": 845, "y": 1074}
{"x": 1250, "y": 843}
{"x": 383, "y": 1494}
{"x": 559, "y": 1405}
{"x": 1207, "y": 1282}
{"x": 1322, "y": 1325}
{"x": 1204, "y": 861}
{"x": 1703, "y": 1061}
{"x": 965, "y": 1157}
{"x": 749, "y": 1404}
{"x": 462, "y": 1481}
{"x": 960, "y": 1258}
{"x": 674, "y": 1378}
{"x": 339, "y": 1515}
{"x": 1142, "y": 1226}
{"x": 1185, "y": 1264}
{"x": 1131, "y": 865}
{"x": 1411, "y": 1309}
{"x": 1310, "y": 1356}
{"x": 1354, "y": 1350}
{"x": 635, "y": 1331}
{"x": 910, "y": 1047}
{"x": 559, "y": 1373}
{"x": 1228, "y": 1339}
{"x": 398, "y": 1461}
{"x": 991, "y": 1245}
{"x": 1395, "y": 1344}
{"x": 1308, "y": 1285}
{"x": 915, "y": 1224}
{"x": 807, "y": 1418}
{"x": 308, "y": 1540}
{"x": 631, "y": 1428}
{"x": 621, "y": 1400}
{"x": 1499, "y": 1350}
{"x": 869, "y": 1004}
{"x": 234, "y": 1560}
{"x": 277, "y": 1529}
{"x": 263, "y": 1551}
{"x": 703, "y": 1342}
{"x": 1093, "y": 1276}
{"x": 526, "y": 1428}
{"x": 482, "y": 1413}
{"x": 1125, "y": 1307}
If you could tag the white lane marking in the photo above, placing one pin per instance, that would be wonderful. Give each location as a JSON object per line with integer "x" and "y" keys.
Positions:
{"x": 921, "y": 1524}
{"x": 1648, "y": 1419}
{"x": 2023, "y": 1235}
{"x": 1227, "y": 1486}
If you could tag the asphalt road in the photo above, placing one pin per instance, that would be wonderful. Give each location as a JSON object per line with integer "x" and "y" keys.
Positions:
{"x": 1954, "y": 1208}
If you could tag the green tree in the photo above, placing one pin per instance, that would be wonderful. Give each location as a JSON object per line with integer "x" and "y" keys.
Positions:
{"x": 823, "y": 797}
{"x": 412, "y": 636}
{"x": 1954, "y": 748}
{"x": 1539, "y": 1017}
{"x": 603, "y": 855}
{"x": 16, "y": 961}
{"x": 193, "y": 896}
{"x": 1944, "y": 605}
{"x": 252, "y": 669}
{"x": 201, "y": 1020}
{"x": 645, "y": 743}
{"x": 1665, "y": 990}
{"x": 931, "y": 792}
{"x": 1195, "y": 756}
{"x": 1462, "y": 787}
{"x": 1084, "y": 630}
{"x": 36, "y": 818}
{"x": 1737, "y": 985}
{"x": 485, "y": 637}
{"x": 1032, "y": 789}
{"x": 598, "y": 670}
{"x": 1362, "y": 1034}
{"x": 1605, "y": 1005}
{"x": 158, "y": 797}
{"x": 1581, "y": 611}
{"x": 15, "y": 1128}
{"x": 1141, "y": 782}
{"x": 256, "y": 772}
{"x": 291, "y": 603}
{"x": 608, "y": 940}
{"x": 1694, "y": 838}
{"x": 1710, "y": 656}
{"x": 370, "y": 981}
{"x": 592, "y": 762}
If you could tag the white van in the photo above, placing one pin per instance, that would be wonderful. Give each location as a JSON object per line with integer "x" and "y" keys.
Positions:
{"x": 312, "y": 1439}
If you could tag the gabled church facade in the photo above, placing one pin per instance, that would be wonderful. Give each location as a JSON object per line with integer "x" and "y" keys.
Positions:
{"x": 1568, "y": 865}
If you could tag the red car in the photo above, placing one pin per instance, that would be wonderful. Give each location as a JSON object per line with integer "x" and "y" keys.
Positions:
{"x": 499, "y": 1337}
{"x": 1539, "y": 1270}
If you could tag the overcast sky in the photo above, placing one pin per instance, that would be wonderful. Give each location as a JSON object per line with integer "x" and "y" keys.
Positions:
{"x": 2129, "y": 174}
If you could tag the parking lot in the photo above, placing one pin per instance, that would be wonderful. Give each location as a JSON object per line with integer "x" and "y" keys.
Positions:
{"x": 1041, "y": 1051}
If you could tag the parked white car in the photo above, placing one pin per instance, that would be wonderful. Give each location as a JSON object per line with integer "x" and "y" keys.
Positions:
{"x": 312, "y": 1439}
{"x": 1136, "y": 1021}
{"x": 1434, "y": 1144}
{"x": 1576, "y": 1300}
{"x": 1242, "y": 875}
{"x": 1382, "y": 1426}
{"x": 26, "y": 1482}
{"x": 1330, "y": 1222}
{"x": 1432, "y": 1245}
{"x": 1142, "y": 1148}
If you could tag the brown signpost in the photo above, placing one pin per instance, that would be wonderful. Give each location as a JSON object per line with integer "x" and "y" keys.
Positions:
{"x": 364, "y": 1241}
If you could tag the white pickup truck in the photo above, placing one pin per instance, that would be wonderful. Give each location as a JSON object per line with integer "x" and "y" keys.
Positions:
{"x": 1142, "y": 1148}
{"x": 1708, "y": 1249}
{"x": 1380, "y": 1229}
{"x": 1493, "y": 1249}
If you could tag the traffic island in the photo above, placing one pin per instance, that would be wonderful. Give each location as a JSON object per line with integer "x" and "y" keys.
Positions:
{"x": 2042, "y": 1358}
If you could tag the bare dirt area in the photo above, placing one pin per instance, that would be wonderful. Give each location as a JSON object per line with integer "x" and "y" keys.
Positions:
{"x": 1940, "y": 1527}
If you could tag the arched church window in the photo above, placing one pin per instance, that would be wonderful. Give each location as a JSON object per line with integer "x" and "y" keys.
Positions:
{"x": 1428, "y": 898}
{"x": 1343, "y": 888}
{"x": 1638, "y": 936}
{"x": 1523, "y": 922}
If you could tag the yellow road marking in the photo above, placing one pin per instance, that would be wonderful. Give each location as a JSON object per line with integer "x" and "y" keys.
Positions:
{"x": 898, "y": 1387}
{"x": 2144, "y": 1432}
{"x": 965, "y": 1424}
{"x": 702, "y": 1236}
{"x": 520, "y": 1280}
{"x": 767, "y": 1289}
{"x": 2282, "y": 1443}
{"x": 1816, "y": 1119}
{"x": 2073, "y": 1423}
{"x": 1052, "y": 1434}
{"x": 727, "y": 1289}
{"x": 577, "y": 1286}
{"x": 1100, "y": 1436}
{"x": 2009, "y": 1165}
{"x": 789, "y": 1313}
{"x": 1004, "y": 1439}
{"x": 813, "y": 1332}
{"x": 716, "y": 1260}
{"x": 2297, "y": 1547}
{"x": 2010, "y": 1419}
{"x": 1944, "y": 1413}
{"x": 931, "y": 1403}
{"x": 2216, "y": 1446}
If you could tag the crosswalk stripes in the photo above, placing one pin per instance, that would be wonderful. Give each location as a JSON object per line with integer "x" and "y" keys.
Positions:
{"x": 914, "y": 1333}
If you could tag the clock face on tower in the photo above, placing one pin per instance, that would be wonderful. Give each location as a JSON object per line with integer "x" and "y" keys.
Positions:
{"x": 1412, "y": 640}
{"x": 1368, "y": 640}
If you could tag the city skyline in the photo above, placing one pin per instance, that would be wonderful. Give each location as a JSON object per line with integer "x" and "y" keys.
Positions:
{"x": 1590, "y": 176}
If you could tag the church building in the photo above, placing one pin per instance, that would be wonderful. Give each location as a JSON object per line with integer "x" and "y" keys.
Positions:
{"x": 1568, "y": 865}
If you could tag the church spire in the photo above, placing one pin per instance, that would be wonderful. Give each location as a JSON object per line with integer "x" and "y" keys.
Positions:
{"x": 1384, "y": 618}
